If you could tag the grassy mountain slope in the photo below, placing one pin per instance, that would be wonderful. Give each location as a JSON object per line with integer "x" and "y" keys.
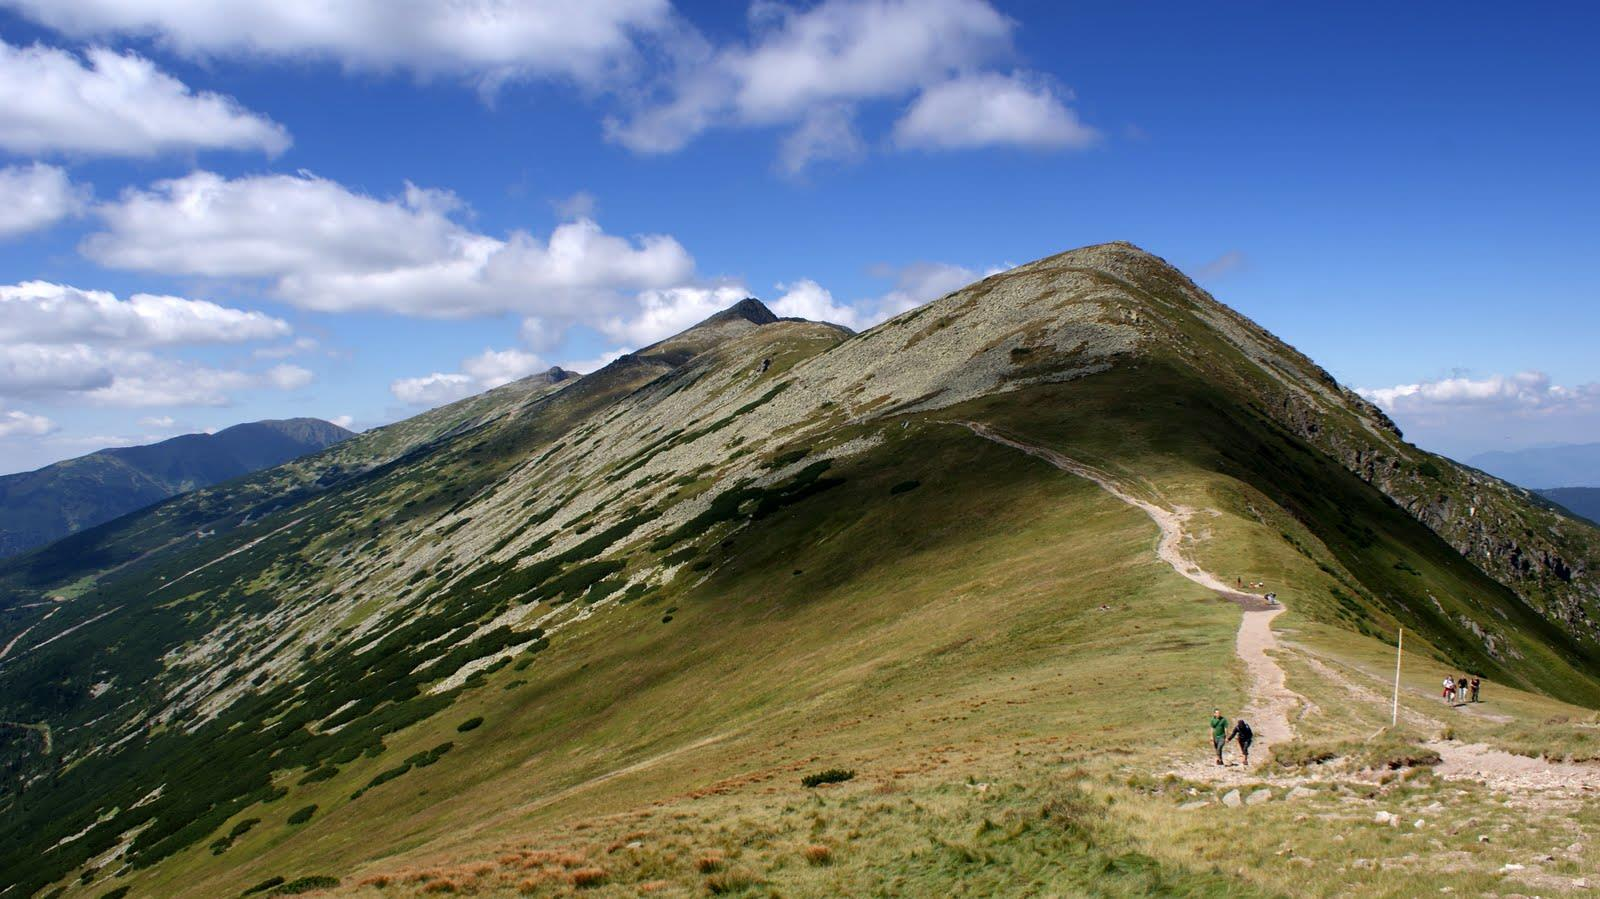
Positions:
{"x": 650, "y": 598}
{"x": 39, "y": 506}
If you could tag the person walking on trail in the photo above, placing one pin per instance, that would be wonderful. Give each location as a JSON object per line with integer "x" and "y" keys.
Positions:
{"x": 1449, "y": 693}
{"x": 1219, "y": 732}
{"x": 1245, "y": 736}
{"x": 1475, "y": 685}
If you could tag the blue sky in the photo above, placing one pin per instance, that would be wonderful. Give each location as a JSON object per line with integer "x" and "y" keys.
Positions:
{"x": 353, "y": 214}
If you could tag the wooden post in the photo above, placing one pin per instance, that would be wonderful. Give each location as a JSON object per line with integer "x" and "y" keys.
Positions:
{"x": 1394, "y": 719}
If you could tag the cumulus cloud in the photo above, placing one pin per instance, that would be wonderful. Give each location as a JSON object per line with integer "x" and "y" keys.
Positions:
{"x": 491, "y": 40}
{"x": 158, "y": 422}
{"x": 657, "y": 314}
{"x": 485, "y": 371}
{"x": 491, "y": 368}
{"x": 433, "y": 390}
{"x": 990, "y": 109}
{"x": 140, "y": 379}
{"x": 1528, "y": 391}
{"x": 111, "y": 376}
{"x": 327, "y": 248}
{"x": 116, "y": 104}
{"x": 914, "y": 285}
{"x": 42, "y": 312}
{"x": 37, "y": 370}
{"x": 37, "y": 196}
{"x": 830, "y": 57}
{"x": 14, "y": 423}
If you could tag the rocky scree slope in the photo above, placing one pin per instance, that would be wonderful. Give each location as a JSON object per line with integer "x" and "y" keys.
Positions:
{"x": 347, "y": 597}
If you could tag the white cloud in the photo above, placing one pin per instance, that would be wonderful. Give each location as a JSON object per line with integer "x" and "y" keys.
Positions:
{"x": 1524, "y": 392}
{"x": 808, "y": 299}
{"x": 657, "y": 314}
{"x": 585, "y": 366}
{"x": 42, "y": 312}
{"x": 158, "y": 422}
{"x": 914, "y": 285}
{"x": 491, "y": 368}
{"x": 581, "y": 205}
{"x": 493, "y": 40}
{"x": 833, "y": 55}
{"x": 284, "y": 350}
{"x": 344, "y": 421}
{"x": 111, "y": 376}
{"x": 989, "y": 109}
{"x": 826, "y": 134}
{"x": 14, "y": 423}
{"x": 37, "y": 196}
{"x": 114, "y": 104}
{"x": 487, "y": 370}
{"x": 34, "y": 370}
{"x": 330, "y": 249}
{"x": 921, "y": 282}
{"x": 433, "y": 390}
{"x": 143, "y": 380}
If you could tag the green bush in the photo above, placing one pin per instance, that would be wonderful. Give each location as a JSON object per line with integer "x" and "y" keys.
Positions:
{"x": 904, "y": 487}
{"x": 263, "y": 886}
{"x": 116, "y": 892}
{"x": 472, "y": 723}
{"x": 326, "y": 772}
{"x": 830, "y": 776}
{"x": 303, "y": 815}
{"x": 305, "y": 885}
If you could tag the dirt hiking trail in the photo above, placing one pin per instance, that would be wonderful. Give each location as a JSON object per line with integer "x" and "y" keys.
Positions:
{"x": 1273, "y": 704}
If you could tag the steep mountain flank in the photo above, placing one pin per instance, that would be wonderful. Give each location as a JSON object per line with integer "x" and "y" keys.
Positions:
{"x": 37, "y": 507}
{"x": 1581, "y": 501}
{"x": 722, "y": 558}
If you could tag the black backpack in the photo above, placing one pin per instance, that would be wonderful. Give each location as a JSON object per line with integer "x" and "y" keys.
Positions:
{"x": 1244, "y": 731}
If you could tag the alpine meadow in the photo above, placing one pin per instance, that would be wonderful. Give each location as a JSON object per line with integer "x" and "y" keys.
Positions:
{"x": 974, "y": 575}
{"x": 798, "y": 449}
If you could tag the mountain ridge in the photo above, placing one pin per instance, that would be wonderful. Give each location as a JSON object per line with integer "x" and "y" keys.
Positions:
{"x": 744, "y": 523}
{"x": 64, "y": 497}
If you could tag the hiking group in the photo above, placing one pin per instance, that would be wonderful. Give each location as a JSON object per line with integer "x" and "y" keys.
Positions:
{"x": 1221, "y": 736}
{"x": 1461, "y": 689}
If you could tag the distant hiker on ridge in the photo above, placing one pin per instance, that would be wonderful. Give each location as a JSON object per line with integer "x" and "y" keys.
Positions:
{"x": 1219, "y": 732}
{"x": 1245, "y": 736}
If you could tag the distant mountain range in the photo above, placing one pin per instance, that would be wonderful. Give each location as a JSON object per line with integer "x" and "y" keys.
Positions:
{"x": 1584, "y": 501}
{"x": 1571, "y": 465}
{"x": 39, "y": 506}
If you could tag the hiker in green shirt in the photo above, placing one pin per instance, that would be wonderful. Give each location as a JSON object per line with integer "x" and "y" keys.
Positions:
{"x": 1219, "y": 732}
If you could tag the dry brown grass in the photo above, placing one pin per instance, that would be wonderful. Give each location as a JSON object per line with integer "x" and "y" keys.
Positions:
{"x": 711, "y": 861}
{"x": 587, "y": 877}
{"x": 818, "y": 854}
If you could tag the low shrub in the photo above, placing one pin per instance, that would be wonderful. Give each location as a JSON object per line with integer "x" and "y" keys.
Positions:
{"x": 818, "y": 854}
{"x": 263, "y": 886}
{"x": 305, "y": 885}
{"x": 326, "y": 772}
{"x": 904, "y": 487}
{"x": 830, "y": 776}
{"x": 587, "y": 877}
{"x": 303, "y": 815}
{"x": 470, "y": 724}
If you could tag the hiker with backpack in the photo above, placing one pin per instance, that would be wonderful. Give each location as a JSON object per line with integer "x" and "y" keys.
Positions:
{"x": 1476, "y": 684}
{"x": 1245, "y": 736}
{"x": 1219, "y": 732}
